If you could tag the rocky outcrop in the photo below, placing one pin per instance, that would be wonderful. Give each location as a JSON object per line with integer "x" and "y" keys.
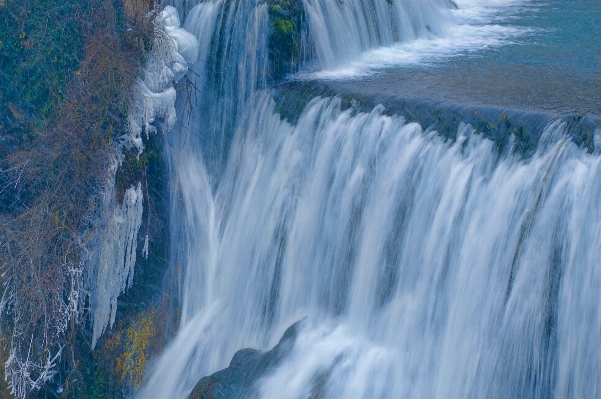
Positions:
{"x": 245, "y": 369}
{"x": 287, "y": 22}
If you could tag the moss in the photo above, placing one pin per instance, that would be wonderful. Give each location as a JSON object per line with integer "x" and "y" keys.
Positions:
{"x": 95, "y": 380}
{"x": 286, "y": 23}
{"x": 117, "y": 366}
{"x": 41, "y": 46}
{"x": 282, "y": 27}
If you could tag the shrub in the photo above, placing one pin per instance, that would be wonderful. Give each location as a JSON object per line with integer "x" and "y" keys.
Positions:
{"x": 81, "y": 64}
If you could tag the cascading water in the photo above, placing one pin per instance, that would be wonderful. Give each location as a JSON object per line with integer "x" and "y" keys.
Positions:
{"x": 423, "y": 266}
{"x": 232, "y": 66}
{"x": 343, "y": 30}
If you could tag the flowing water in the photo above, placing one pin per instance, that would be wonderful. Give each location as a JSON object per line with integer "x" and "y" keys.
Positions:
{"x": 422, "y": 266}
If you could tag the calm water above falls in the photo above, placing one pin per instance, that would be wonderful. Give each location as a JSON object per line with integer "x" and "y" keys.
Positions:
{"x": 423, "y": 267}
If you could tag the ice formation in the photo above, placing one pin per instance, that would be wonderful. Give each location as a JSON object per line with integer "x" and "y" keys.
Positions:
{"x": 116, "y": 257}
{"x": 154, "y": 97}
{"x": 112, "y": 246}
{"x": 112, "y": 240}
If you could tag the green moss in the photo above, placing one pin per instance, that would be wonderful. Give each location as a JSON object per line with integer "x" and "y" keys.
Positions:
{"x": 95, "y": 379}
{"x": 41, "y": 47}
{"x": 283, "y": 27}
{"x": 286, "y": 21}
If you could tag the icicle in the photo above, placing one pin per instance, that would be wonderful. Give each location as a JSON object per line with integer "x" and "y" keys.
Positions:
{"x": 114, "y": 261}
{"x": 112, "y": 242}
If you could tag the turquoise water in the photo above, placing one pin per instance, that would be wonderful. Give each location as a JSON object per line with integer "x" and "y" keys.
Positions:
{"x": 565, "y": 34}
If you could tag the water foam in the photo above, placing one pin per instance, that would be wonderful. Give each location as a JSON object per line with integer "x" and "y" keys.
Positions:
{"x": 427, "y": 268}
{"x": 471, "y": 28}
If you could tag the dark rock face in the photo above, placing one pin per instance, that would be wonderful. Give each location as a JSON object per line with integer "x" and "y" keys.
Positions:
{"x": 245, "y": 369}
{"x": 287, "y": 22}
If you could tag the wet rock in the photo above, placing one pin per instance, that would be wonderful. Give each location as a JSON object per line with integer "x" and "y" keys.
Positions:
{"x": 245, "y": 369}
{"x": 287, "y": 21}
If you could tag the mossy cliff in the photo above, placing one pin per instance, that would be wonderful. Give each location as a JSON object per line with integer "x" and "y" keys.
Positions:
{"x": 287, "y": 23}
{"x": 41, "y": 46}
{"x": 66, "y": 72}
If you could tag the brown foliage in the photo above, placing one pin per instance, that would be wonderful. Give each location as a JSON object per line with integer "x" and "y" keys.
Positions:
{"x": 60, "y": 174}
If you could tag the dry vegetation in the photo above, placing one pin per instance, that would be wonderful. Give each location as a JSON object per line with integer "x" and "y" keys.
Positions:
{"x": 51, "y": 184}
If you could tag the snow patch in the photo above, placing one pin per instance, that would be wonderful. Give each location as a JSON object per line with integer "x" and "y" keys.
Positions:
{"x": 186, "y": 42}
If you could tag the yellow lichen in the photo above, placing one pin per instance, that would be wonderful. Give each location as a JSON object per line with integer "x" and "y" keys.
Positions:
{"x": 138, "y": 340}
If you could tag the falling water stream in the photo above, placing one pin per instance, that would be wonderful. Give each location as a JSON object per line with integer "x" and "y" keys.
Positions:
{"x": 422, "y": 266}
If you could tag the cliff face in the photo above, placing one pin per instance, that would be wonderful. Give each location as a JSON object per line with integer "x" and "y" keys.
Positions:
{"x": 67, "y": 72}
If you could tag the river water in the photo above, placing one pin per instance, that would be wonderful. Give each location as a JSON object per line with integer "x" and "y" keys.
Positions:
{"x": 422, "y": 266}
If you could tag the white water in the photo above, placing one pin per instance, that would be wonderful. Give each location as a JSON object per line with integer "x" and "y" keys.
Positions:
{"x": 426, "y": 268}
{"x": 226, "y": 74}
{"x": 351, "y": 52}
{"x": 344, "y": 30}
{"x": 401, "y": 248}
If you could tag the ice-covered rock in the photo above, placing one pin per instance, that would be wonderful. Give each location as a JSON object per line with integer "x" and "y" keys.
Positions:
{"x": 186, "y": 42}
{"x": 112, "y": 240}
{"x": 173, "y": 50}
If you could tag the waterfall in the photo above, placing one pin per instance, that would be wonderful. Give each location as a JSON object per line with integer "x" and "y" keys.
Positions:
{"x": 232, "y": 65}
{"x": 422, "y": 266}
{"x": 345, "y": 29}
